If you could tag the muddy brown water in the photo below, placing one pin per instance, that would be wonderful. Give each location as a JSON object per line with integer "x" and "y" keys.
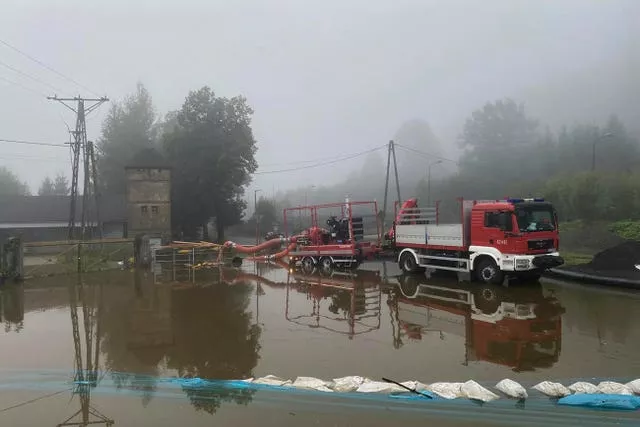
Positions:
{"x": 260, "y": 320}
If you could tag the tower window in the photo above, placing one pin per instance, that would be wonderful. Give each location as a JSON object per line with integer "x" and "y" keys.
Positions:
{"x": 144, "y": 210}
{"x": 154, "y": 210}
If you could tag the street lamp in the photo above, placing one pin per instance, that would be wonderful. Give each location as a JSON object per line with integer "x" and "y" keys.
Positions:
{"x": 593, "y": 153}
{"x": 255, "y": 214}
{"x": 437, "y": 162}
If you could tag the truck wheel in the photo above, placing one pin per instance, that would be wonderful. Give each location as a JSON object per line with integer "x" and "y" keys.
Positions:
{"x": 488, "y": 271}
{"x": 408, "y": 263}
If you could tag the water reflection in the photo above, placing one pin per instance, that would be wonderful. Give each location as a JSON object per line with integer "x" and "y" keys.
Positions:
{"x": 12, "y": 307}
{"x": 193, "y": 330}
{"x": 519, "y": 327}
{"x": 149, "y": 327}
{"x": 354, "y": 298}
{"x": 85, "y": 301}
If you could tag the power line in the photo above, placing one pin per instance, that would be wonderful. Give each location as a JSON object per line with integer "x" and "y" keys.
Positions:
{"x": 322, "y": 163}
{"x": 42, "y": 64}
{"x": 35, "y": 79}
{"x": 46, "y": 144}
{"x": 20, "y": 85}
{"x": 321, "y": 159}
{"x": 428, "y": 155}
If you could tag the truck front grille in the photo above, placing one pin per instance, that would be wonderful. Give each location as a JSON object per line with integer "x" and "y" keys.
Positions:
{"x": 541, "y": 244}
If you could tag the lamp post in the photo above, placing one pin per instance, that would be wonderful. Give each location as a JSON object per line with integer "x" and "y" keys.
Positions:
{"x": 255, "y": 214}
{"x": 593, "y": 153}
{"x": 437, "y": 162}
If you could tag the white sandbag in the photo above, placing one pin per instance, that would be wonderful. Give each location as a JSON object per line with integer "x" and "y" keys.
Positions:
{"x": 378, "y": 387}
{"x": 271, "y": 380}
{"x": 610, "y": 387}
{"x": 311, "y": 383}
{"x": 347, "y": 384}
{"x": 512, "y": 389}
{"x": 446, "y": 390}
{"x": 414, "y": 385}
{"x": 634, "y": 386}
{"x": 552, "y": 389}
{"x": 473, "y": 390}
{"x": 582, "y": 387}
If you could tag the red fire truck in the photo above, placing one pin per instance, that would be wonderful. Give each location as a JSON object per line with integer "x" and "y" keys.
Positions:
{"x": 493, "y": 239}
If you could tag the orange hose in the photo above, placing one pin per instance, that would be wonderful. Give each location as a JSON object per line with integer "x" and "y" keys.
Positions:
{"x": 276, "y": 256}
{"x": 253, "y": 249}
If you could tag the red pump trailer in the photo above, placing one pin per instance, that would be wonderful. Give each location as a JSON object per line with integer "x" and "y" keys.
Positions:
{"x": 493, "y": 239}
{"x": 343, "y": 244}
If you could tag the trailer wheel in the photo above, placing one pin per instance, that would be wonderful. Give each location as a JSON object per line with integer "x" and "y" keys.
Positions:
{"x": 326, "y": 263}
{"x": 308, "y": 264}
{"x": 488, "y": 271}
{"x": 408, "y": 263}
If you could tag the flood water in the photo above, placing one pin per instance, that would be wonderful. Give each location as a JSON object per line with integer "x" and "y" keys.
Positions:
{"x": 143, "y": 328}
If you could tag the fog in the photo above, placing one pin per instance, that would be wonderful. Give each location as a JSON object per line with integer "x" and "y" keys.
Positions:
{"x": 325, "y": 79}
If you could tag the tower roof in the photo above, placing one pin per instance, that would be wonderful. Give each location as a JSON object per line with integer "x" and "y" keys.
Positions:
{"x": 148, "y": 158}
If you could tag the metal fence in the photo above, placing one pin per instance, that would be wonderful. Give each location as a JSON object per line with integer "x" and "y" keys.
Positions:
{"x": 63, "y": 257}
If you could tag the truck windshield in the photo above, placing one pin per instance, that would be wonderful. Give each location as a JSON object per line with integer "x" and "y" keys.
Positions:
{"x": 535, "y": 218}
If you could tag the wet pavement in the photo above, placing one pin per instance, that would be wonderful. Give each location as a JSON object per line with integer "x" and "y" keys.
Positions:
{"x": 146, "y": 328}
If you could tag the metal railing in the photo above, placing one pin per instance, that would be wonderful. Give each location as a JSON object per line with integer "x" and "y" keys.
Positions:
{"x": 72, "y": 256}
{"x": 417, "y": 216}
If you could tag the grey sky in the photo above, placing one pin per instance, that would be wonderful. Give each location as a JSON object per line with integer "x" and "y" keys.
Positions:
{"x": 325, "y": 78}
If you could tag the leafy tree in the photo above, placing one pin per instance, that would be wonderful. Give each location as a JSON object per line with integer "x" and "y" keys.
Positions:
{"x": 10, "y": 184}
{"x": 266, "y": 214}
{"x": 46, "y": 188}
{"x": 493, "y": 131}
{"x": 126, "y": 130}
{"x": 212, "y": 149}
{"x": 57, "y": 187}
{"x": 61, "y": 185}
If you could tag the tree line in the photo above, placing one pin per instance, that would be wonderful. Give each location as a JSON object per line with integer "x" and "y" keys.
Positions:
{"x": 507, "y": 153}
{"x": 589, "y": 172}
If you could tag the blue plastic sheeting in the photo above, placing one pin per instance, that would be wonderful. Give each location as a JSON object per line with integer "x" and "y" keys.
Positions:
{"x": 602, "y": 401}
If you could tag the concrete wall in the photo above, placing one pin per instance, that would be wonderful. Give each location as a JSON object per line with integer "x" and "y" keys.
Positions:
{"x": 149, "y": 201}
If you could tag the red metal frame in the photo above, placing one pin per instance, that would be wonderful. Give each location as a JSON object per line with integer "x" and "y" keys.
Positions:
{"x": 335, "y": 249}
{"x": 314, "y": 213}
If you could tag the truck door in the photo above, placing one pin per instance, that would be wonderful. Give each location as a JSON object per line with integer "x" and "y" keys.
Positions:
{"x": 495, "y": 226}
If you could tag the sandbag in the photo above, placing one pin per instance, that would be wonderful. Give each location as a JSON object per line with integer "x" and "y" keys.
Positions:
{"x": 369, "y": 386}
{"x": 605, "y": 401}
{"x": 473, "y": 390}
{"x": 446, "y": 390}
{"x": 634, "y": 386}
{"x": 272, "y": 380}
{"x": 611, "y": 387}
{"x": 347, "y": 384}
{"x": 414, "y": 385}
{"x": 311, "y": 383}
{"x": 552, "y": 389}
{"x": 512, "y": 389}
{"x": 582, "y": 387}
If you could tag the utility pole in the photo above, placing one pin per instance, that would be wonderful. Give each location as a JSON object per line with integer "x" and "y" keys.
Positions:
{"x": 255, "y": 214}
{"x": 391, "y": 152}
{"x": 80, "y": 145}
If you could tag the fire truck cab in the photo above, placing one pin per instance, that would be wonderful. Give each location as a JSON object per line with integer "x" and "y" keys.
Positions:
{"x": 494, "y": 239}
